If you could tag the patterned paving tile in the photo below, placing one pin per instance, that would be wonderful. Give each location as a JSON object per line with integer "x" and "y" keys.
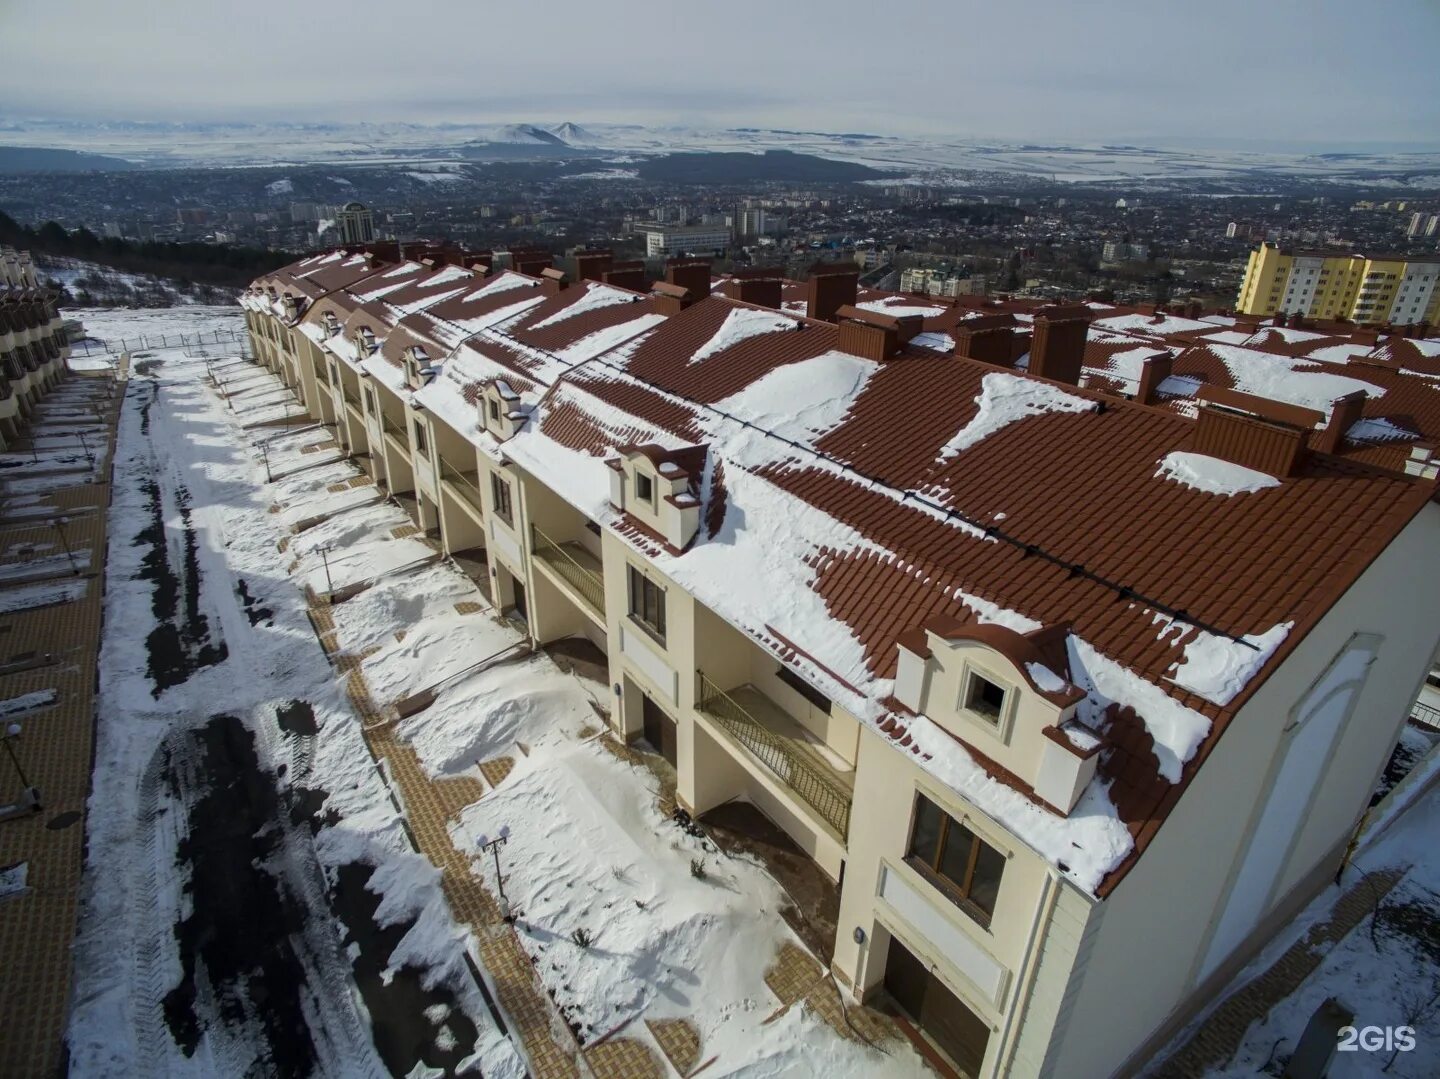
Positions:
{"x": 679, "y": 1040}
{"x": 496, "y": 769}
{"x": 793, "y": 974}
{"x": 623, "y": 1058}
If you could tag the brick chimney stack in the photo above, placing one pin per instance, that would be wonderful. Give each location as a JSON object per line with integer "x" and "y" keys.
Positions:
{"x": 1344, "y": 412}
{"x": 533, "y": 263}
{"x": 989, "y": 339}
{"x": 833, "y": 285}
{"x": 691, "y": 274}
{"x": 1153, "y": 371}
{"x": 762, "y": 287}
{"x": 629, "y": 275}
{"x": 592, "y": 265}
{"x": 668, "y": 299}
{"x": 553, "y": 281}
{"x": 1057, "y": 344}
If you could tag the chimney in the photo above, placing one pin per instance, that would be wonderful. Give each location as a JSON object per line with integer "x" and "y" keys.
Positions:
{"x": 1057, "y": 344}
{"x": 668, "y": 299}
{"x": 692, "y": 274}
{"x": 592, "y": 265}
{"x": 1365, "y": 337}
{"x": 1153, "y": 371}
{"x": 553, "y": 281}
{"x": 987, "y": 339}
{"x": 1280, "y": 318}
{"x": 868, "y": 334}
{"x": 833, "y": 285}
{"x": 1344, "y": 411}
{"x": 762, "y": 287}
{"x": 1297, "y": 321}
{"x": 1193, "y": 309}
{"x": 532, "y": 263}
{"x": 629, "y": 275}
{"x": 482, "y": 262}
{"x": 1255, "y": 432}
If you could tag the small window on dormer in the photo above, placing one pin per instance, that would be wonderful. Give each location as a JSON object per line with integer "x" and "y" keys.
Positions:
{"x": 494, "y": 410}
{"x": 984, "y": 698}
{"x": 644, "y": 488}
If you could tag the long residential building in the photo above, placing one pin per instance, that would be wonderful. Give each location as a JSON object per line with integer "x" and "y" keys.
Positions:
{"x": 33, "y": 347}
{"x": 1064, "y": 639}
{"x": 1397, "y": 290}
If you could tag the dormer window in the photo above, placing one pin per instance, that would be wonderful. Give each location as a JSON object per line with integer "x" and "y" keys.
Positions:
{"x": 644, "y": 488}
{"x": 984, "y": 697}
{"x": 332, "y": 324}
{"x": 367, "y": 340}
{"x": 494, "y": 410}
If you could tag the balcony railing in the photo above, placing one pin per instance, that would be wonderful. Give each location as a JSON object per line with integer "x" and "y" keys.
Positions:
{"x": 573, "y": 564}
{"x": 464, "y": 484}
{"x": 352, "y": 401}
{"x": 1426, "y": 715}
{"x": 787, "y": 758}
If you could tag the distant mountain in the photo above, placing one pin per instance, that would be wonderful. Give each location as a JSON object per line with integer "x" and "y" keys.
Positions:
{"x": 719, "y": 168}
{"x": 573, "y": 134}
{"x": 527, "y": 134}
{"x": 37, "y": 159}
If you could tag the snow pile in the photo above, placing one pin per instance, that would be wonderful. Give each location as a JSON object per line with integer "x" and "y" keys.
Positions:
{"x": 26, "y": 703}
{"x": 805, "y": 400}
{"x": 1213, "y": 475}
{"x": 608, "y": 337}
{"x": 1043, "y": 677}
{"x": 741, "y": 324}
{"x": 1218, "y": 668}
{"x": 42, "y": 594}
{"x": 596, "y": 298}
{"x": 1005, "y": 399}
{"x": 438, "y": 648}
{"x": 899, "y": 308}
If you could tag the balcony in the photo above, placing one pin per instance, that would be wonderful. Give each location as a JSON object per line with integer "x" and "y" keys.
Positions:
{"x": 465, "y": 485}
{"x": 784, "y": 747}
{"x": 397, "y": 433}
{"x": 575, "y": 566}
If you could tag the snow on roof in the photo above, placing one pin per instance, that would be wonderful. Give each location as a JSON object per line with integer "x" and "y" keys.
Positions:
{"x": 1159, "y": 325}
{"x": 741, "y": 324}
{"x": 596, "y": 297}
{"x": 1378, "y": 429}
{"x": 1218, "y": 668}
{"x": 897, "y": 307}
{"x": 1339, "y": 353}
{"x": 1212, "y": 475}
{"x": 607, "y": 338}
{"x": 804, "y": 400}
{"x": 1281, "y": 378}
{"x": 1007, "y": 399}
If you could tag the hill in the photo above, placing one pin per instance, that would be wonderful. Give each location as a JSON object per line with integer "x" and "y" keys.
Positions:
{"x": 39, "y": 159}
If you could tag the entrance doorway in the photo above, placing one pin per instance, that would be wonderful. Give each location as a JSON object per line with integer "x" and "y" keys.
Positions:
{"x": 941, "y": 1016}
{"x": 520, "y": 610}
{"x": 659, "y": 729}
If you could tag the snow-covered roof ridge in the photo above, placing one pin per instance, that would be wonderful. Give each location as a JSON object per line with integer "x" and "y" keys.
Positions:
{"x": 741, "y": 324}
{"x": 1007, "y": 399}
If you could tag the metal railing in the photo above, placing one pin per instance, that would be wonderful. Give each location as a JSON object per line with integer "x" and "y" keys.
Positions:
{"x": 821, "y": 792}
{"x": 1425, "y": 715}
{"x": 89, "y": 346}
{"x": 465, "y": 487}
{"x": 586, "y": 581}
{"x": 351, "y": 400}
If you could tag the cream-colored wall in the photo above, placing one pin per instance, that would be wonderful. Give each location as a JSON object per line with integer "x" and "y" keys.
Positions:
{"x": 1169, "y": 902}
{"x": 885, "y": 786}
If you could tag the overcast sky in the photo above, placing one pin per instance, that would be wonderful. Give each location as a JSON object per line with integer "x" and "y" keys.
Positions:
{"x": 1305, "y": 71}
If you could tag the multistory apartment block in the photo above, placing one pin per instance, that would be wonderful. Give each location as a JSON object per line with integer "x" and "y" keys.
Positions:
{"x": 1399, "y": 290}
{"x": 33, "y": 343}
{"x": 1040, "y": 675}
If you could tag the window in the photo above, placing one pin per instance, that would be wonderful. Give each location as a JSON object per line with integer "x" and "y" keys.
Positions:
{"x": 500, "y": 496}
{"x": 421, "y": 446}
{"x": 800, "y": 686}
{"x": 494, "y": 410}
{"x": 984, "y": 697}
{"x": 961, "y": 864}
{"x": 647, "y": 604}
{"x": 370, "y": 401}
{"x": 644, "y": 488}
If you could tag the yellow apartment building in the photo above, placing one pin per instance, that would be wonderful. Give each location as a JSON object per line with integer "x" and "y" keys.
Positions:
{"x": 1377, "y": 289}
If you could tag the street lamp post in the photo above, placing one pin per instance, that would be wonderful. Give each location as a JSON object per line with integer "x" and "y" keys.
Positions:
{"x": 29, "y": 795}
{"x": 493, "y": 846}
{"x": 60, "y": 523}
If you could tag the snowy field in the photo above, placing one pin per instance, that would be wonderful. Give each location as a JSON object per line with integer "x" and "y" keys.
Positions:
{"x": 252, "y": 903}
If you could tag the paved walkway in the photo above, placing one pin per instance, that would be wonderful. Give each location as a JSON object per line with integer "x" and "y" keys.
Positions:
{"x": 1216, "y": 1040}
{"x": 50, "y": 618}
